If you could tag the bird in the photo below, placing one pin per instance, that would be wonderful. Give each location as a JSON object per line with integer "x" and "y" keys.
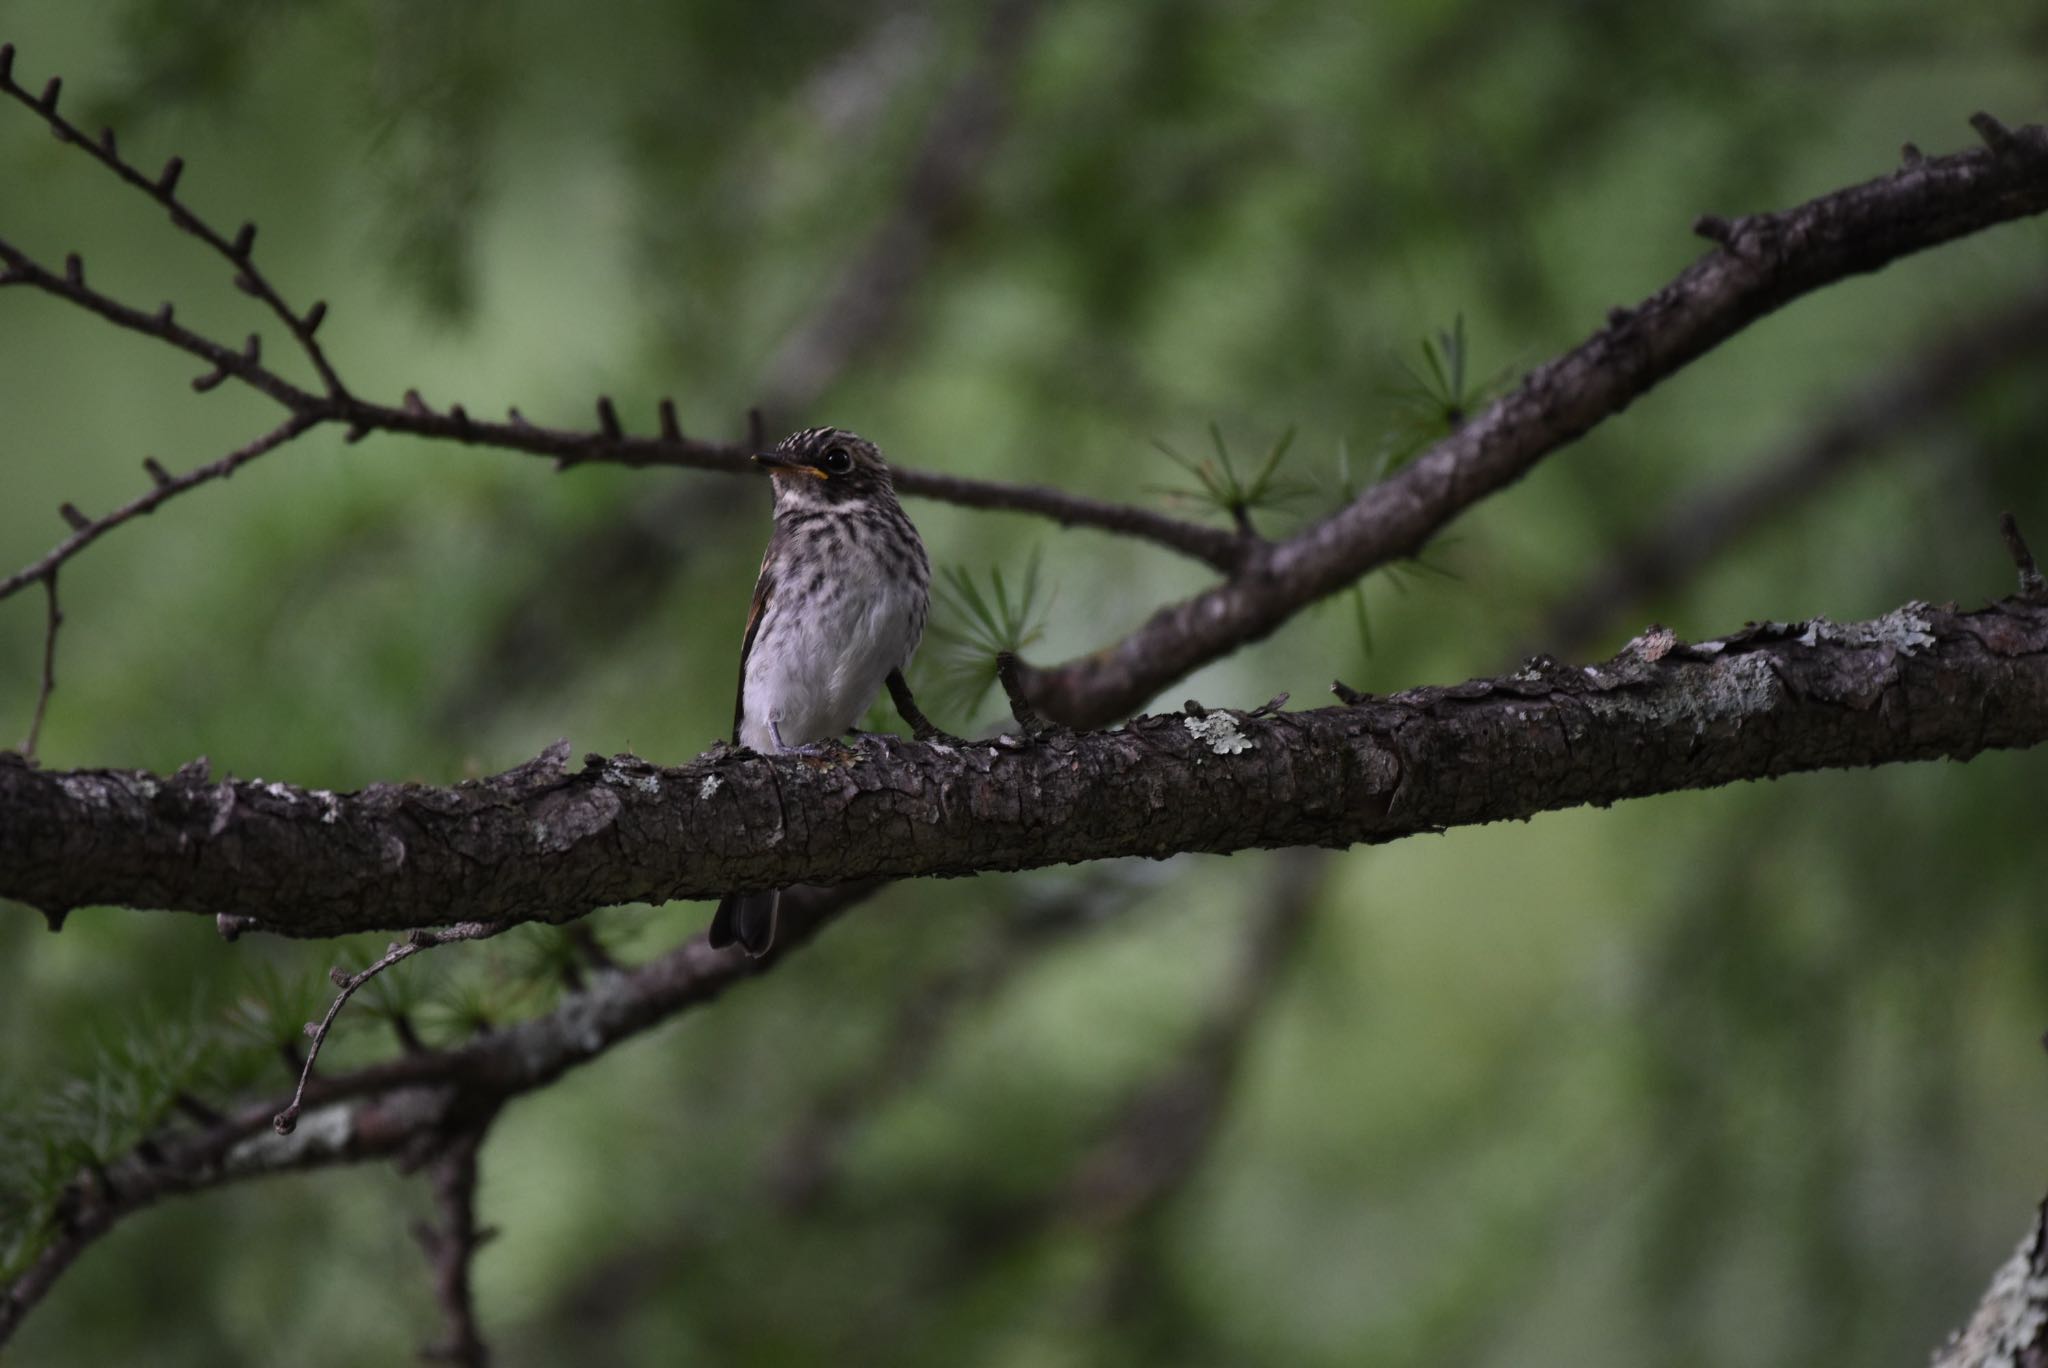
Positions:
{"x": 839, "y": 609}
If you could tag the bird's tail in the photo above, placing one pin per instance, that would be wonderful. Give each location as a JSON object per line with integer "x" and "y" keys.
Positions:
{"x": 747, "y": 919}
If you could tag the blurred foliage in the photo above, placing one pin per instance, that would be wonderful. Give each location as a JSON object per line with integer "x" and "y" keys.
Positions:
{"x": 1744, "y": 1077}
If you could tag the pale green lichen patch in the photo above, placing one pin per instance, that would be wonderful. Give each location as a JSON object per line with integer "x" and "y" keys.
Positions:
{"x": 1905, "y": 630}
{"x": 712, "y": 783}
{"x": 1741, "y": 687}
{"x": 1219, "y": 731}
{"x": 644, "y": 778}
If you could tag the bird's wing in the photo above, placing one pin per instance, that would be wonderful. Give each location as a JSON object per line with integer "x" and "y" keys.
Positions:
{"x": 762, "y": 587}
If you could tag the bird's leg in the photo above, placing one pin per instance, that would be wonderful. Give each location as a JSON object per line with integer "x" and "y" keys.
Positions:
{"x": 921, "y": 726}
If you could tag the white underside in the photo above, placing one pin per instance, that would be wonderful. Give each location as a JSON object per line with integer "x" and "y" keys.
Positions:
{"x": 820, "y": 667}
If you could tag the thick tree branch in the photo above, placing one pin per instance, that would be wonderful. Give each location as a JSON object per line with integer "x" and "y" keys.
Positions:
{"x": 548, "y": 843}
{"x": 1764, "y": 262}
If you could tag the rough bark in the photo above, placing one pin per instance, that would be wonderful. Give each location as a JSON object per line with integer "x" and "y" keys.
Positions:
{"x": 546, "y": 842}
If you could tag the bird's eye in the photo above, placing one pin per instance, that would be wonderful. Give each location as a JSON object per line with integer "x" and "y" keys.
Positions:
{"x": 837, "y": 461}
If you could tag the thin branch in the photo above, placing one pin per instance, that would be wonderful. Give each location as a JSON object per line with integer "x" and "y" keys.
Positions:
{"x": 2033, "y": 587}
{"x": 1158, "y": 1148}
{"x": 163, "y": 189}
{"x": 1769, "y": 260}
{"x": 545, "y": 843}
{"x": 165, "y": 486}
{"x": 1216, "y": 547}
{"x": 1702, "y": 523}
{"x": 287, "y": 1119}
{"x": 567, "y": 447}
{"x": 411, "y": 1105}
{"x": 222, "y": 361}
{"x": 53, "y": 620}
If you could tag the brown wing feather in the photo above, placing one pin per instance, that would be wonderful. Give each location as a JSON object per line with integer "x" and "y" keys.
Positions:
{"x": 762, "y": 586}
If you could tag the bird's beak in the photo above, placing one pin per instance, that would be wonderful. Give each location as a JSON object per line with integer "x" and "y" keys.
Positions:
{"x": 775, "y": 460}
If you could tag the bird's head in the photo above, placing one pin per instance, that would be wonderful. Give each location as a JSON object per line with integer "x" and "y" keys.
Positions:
{"x": 824, "y": 466}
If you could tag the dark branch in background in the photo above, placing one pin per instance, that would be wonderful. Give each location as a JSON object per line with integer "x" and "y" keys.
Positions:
{"x": 1148, "y": 1152}
{"x": 1168, "y": 1129}
{"x": 544, "y": 843}
{"x": 864, "y": 305}
{"x": 807, "y": 1165}
{"x": 1764, "y": 262}
{"x": 1702, "y": 523}
{"x": 423, "y": 939}
{"x": 1134, "y": 1176}
{"x": 451, "y": 1246}
{"x": 411, "y": 1107}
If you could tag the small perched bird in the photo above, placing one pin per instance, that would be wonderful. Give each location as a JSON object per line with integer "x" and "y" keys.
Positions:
{"x": 839, "y": 609}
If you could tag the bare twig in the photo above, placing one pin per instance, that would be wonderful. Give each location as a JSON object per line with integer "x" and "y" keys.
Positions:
{"x": 413, "y": 417}
{"x": 163, "y": 189}
{"x": 451, "y": 1247}
{"x": 424, "y": 938}
{"x": 164, "y": 486}
{"x": 53, "y": 620}
{"x": 2033, "y": 587}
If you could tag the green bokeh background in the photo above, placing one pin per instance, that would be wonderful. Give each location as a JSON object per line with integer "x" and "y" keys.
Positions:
{"x": 1744, "y": 1077}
